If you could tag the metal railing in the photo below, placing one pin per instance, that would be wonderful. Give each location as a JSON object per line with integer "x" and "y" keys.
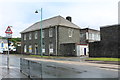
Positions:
{"x": 31, "y": 68}
{"x": 37, "y": 69}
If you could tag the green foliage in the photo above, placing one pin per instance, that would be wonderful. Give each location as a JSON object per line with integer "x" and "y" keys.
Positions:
{"x": 14, "y": 40}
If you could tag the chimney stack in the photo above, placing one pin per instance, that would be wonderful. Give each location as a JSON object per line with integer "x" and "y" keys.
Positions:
{"x": 69, "y": 18}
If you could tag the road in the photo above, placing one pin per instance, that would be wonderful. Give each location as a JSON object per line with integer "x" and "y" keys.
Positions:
{"x": 64, "y": 69}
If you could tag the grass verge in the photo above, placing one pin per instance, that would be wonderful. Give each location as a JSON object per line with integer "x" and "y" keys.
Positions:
{"x": 104, "y": 59}
{"x": 44, "y": 56}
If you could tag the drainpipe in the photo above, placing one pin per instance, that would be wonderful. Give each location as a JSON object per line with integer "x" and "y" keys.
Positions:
{"x": 56, "y": 38}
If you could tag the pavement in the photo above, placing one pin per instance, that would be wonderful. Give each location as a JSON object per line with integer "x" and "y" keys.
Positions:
{"x": 13, "y": 71}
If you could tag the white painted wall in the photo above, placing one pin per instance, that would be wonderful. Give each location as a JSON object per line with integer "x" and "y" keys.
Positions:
{"x": 80, "y": 50}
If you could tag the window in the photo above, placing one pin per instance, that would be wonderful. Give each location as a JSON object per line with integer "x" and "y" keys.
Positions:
{"x": 25, "y": 48}
{"x": 43, "y": 34}
{"x": 70, "y": 32}
{"x": 24, "y": 36}
{"x": 51, "y": 48}
{"x": 30, "y": 48}
{"x": 90, "y": 36}
{"x": 30, "y": 36}
{"x": 98, "y": 37}
{"x": 43, "y": 48}
{"x": 36, "y": 34}
{"x": 50, "y": 32}
{"x": 93, "y": 36}
{"x": 87, "y": 35}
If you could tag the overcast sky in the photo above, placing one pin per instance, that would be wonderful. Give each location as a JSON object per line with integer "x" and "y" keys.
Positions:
{"x": 93, "y": 13}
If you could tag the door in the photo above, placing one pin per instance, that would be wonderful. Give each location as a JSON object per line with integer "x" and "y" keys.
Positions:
{"x": 84, "y": 51}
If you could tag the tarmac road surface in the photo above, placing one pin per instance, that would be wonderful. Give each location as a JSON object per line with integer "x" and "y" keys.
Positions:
{"x": 58, "y": 68}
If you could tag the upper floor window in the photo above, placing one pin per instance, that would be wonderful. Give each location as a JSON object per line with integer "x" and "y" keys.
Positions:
{"x": 30, "y": 36}
{"x": 36, "y": 34}
{"x": 82, "y": 35}
{"x": 93, "y": 36}
{"x": 43, "y": 33}
{"x": 24, "y": 36}
{"x": 87, "y": 35}
{"x": 70, "y": 32}
{"x": 90, "y": 36}
{"x": 51, "y": 32}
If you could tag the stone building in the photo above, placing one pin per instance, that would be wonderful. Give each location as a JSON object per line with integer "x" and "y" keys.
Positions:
{"x": 87, "y": 35}
{"x": 59, "y": 36}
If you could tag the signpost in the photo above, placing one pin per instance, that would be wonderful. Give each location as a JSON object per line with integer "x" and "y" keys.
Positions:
{"x": 8, "y": 36}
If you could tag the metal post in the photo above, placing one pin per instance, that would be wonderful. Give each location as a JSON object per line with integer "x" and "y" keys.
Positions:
{"x": 8, "y": 55}
{"x": 41, "y": 33}
{"x": 56, "y": 40}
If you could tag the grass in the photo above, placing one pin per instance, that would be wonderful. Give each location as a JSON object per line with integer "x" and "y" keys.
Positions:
{"x": 104, "y": 59}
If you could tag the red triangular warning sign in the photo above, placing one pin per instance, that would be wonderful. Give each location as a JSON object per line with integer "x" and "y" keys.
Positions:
{"x": 8, "y": 30}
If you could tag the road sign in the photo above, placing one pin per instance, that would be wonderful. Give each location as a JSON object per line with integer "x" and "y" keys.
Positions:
{"x": 8, "y": 30}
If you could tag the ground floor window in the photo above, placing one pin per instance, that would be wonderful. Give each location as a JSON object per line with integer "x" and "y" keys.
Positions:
{"x": 30, "y": 48}
{"x": 25, "y": 48}
{"x": 43, "y": 48}
{"x": 36, "y": 49}
{"x": 51, "y": 48}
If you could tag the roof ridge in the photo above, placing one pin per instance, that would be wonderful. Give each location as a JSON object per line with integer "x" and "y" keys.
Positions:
{"x": 56, "y": 20}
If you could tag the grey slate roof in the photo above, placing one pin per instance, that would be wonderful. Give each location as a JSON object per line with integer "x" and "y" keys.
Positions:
{"x": 57, "y": 20}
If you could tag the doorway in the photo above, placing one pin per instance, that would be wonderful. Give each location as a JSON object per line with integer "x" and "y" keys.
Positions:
{"x": 36, "y": 49}
{"x": 84, "y": 51}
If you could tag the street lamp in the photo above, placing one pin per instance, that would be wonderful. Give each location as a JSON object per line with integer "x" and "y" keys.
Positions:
{"x": 37, "y": 11}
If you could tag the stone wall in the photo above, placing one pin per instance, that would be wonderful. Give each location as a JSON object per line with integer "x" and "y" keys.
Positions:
{"x": 108, "y": 46}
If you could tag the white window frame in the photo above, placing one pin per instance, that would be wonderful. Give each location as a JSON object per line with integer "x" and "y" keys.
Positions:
{"x": 90, "y": 36}
{"x": 30, "y": 48}
{"x": 93, "y": 36}
{"x": 87, "y": 36}
{"x": 24, "y": 36}
{"x": 25, "y": 48}
{"x": 43, "y": 48}
{"x": 50, "y": 32}
{"x": 70, "y": 32}
{"x": 36, "y": 35}
{"x": 30, "y": 36}
{"x": 51, "y": 48}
